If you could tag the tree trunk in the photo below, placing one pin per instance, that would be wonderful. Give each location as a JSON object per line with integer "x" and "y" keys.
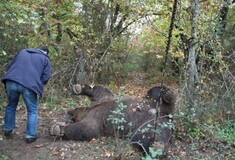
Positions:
{"x": 222, "y": 20}
{"x": 191, "y": 66}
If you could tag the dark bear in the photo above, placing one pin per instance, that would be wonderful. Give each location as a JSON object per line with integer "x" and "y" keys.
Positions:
{"x": 136, "y": 117}
{"x": 163, "y": 126}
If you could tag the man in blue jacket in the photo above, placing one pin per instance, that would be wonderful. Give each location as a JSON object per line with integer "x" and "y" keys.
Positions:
{"x": 26, "y": 75}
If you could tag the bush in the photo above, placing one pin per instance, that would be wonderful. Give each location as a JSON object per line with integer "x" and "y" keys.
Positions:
{"x": 226, "y": 132}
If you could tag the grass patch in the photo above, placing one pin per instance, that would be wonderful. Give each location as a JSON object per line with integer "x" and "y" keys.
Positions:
{"x": 226, "y": 132}
{"x": 4, "y": 155}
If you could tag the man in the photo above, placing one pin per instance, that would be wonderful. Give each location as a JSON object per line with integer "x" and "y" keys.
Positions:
{"x": 26, "y": 75}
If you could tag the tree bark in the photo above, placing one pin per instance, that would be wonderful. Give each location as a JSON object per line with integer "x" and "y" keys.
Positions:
{"x": 191, "y": 66}
{"x": 223, "y": 17}
{"x": 169, "y": 40}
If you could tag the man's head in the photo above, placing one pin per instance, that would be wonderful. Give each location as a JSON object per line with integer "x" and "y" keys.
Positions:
{"x": 45, "y": 49}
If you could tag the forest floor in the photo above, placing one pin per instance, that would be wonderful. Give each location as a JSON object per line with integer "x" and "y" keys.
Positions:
{"x": 49, "y": 148}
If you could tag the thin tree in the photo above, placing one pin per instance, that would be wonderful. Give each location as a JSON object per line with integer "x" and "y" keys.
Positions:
{"x": 169, "y": 40}
{"x": 222, "y": 18}
{"x": 191, "y": 65}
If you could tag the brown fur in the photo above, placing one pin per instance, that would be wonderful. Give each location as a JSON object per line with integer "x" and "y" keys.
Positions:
{"x": 135, "y": 112}
{"x": 77, "y": 114}
{"x": 97, "y": 94}
{"x": 95, "y": 123}
{"x": 164, "y": 131}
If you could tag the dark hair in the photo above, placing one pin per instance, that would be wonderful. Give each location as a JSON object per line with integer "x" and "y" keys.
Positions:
{"x": 44, "y": 48}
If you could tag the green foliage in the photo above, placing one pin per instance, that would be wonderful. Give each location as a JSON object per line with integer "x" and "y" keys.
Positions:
{"x": 117, "y": 117}
{"x": 194, "y": 133}
{"x": 226, "y": 132}
{"x": 192, "y": 127}
{"x": 147, "y": 128}
{"x": 169, "y": 124}
{"x": 52, "y": 104}
{"x": 153, "y": 154}
{"x": 4, "y": 155}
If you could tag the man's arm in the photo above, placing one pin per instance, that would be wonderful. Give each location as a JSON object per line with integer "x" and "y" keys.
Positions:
{"x": 46, "y": 75}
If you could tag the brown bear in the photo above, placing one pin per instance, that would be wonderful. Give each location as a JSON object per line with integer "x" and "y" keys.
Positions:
{"x": 164, "y": 123}
{"x": 113, "y": 118}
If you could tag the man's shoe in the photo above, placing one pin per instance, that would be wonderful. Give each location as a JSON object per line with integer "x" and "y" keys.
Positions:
{"x": 7, "y": 133}
{"x": 30, "y": 140}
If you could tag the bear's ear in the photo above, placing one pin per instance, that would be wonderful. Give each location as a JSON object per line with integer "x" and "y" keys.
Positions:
{"x": 77, "y": 89}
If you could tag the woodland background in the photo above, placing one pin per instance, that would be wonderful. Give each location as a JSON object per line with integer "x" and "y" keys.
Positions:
{"x": 120, "y": 43}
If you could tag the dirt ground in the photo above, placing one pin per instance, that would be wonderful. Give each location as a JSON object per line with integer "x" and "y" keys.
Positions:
{"x": 49, "y": 148}
{"x": 52, "y": 148}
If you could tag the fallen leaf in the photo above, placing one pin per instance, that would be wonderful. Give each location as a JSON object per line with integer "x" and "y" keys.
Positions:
{"x": 108, "y": 154}
{"x": 40, "y": 145}
{"x": 134, "y": 110}
{"x": 55, "y": 151}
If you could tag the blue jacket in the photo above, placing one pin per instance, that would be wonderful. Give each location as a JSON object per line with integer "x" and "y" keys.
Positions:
{"x": 31, "y": 68}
